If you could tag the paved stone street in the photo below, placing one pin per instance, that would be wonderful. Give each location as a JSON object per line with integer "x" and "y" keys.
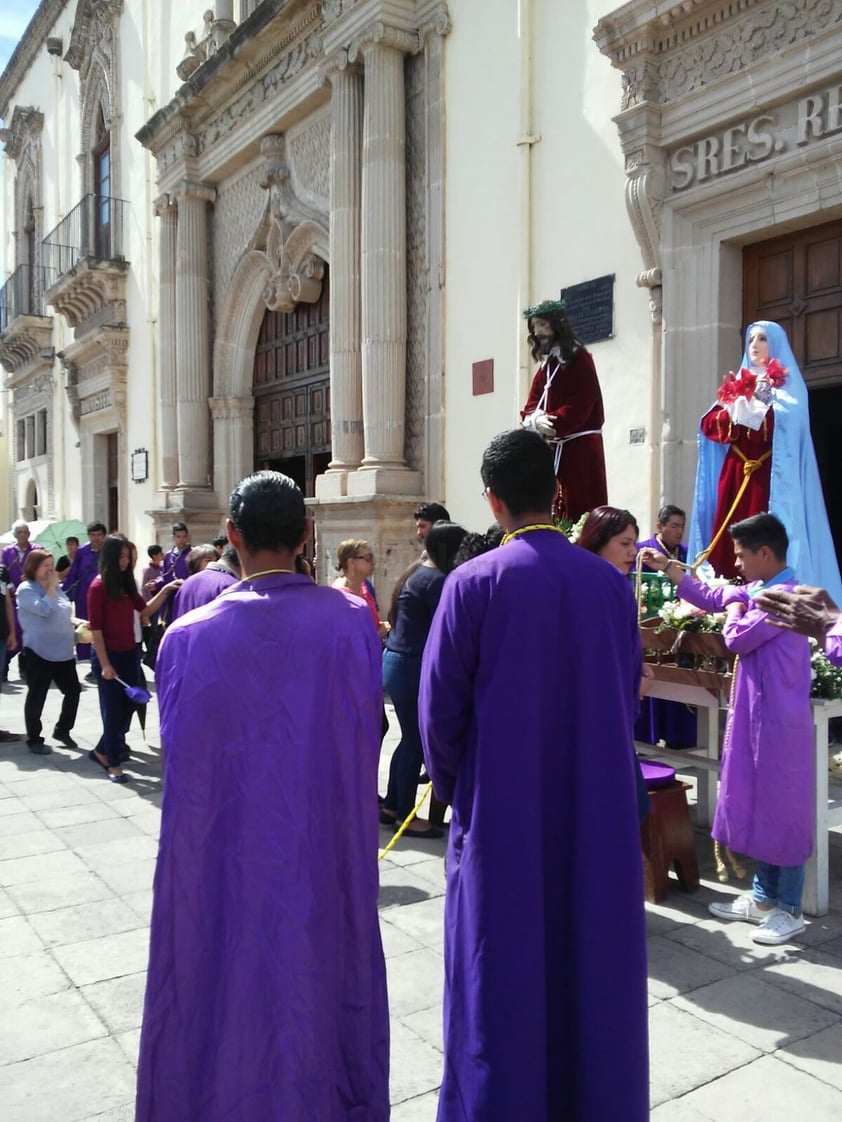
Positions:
{"x": 737, "y": 1031}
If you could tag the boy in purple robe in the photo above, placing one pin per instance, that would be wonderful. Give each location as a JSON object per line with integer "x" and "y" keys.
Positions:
{"x": 528, "y": 689}
{"x": 13, "y": 557}
{"x": 206, "y": 585}
{"x": 766, "y": 799}
{"x": 80, "y": 576}
{"x": 266, "y": 991}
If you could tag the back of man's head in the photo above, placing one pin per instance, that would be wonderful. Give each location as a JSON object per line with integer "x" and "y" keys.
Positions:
{"x": 518, "y": 467}
{"x": 432, "y": 512}
{"x": 268, "y": 512}
{"x": 759, "y": 530}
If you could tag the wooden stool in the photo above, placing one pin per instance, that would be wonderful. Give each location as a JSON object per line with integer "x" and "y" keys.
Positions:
{"x": 667, "y": 837}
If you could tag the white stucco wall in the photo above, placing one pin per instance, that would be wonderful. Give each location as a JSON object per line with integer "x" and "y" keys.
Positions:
{"x": 579, "y": 230}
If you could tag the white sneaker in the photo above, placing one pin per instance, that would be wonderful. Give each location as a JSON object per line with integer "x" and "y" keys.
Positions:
{"x": 779, "y": 927}
{"x": 743, "y": 908}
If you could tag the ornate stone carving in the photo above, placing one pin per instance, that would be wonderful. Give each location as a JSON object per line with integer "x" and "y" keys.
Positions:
{"x": 645, "y": 188}
{"x": 436, "y": 23}
{"x": 381, "y": 34}
{"x": 93, "y": 28}
{"x": 71, "y": 385}
{"x": 666, "y": 55}
{"x": 24, "y": 129}
{"x": 309, "y": 153}
{"x": 91, "y": 295}
{"x": 290, "y": 229}
{"x": 27, "y": 341}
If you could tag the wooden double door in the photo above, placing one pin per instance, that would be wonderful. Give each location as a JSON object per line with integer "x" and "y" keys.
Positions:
{"x": 291, "y": 386}
{"x": 796, "y": 281}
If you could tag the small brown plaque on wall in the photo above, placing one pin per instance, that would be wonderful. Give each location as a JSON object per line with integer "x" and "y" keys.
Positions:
{"x": 483, "y": 376}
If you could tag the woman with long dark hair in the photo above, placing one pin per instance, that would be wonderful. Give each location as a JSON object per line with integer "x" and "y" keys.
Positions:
{"x": 113, "y": 599}
{"x": 417, "y": 600}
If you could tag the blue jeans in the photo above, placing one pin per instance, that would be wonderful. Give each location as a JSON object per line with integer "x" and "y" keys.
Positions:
{"x": 401, "y": 681}
{"x": 114, "y": 706}
{"x": 779, "y": 884}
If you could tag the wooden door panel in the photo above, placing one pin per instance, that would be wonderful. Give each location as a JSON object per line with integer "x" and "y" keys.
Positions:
{"x": 796, "y": 280}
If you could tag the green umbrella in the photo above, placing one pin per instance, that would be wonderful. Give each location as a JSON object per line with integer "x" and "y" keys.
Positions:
{"x": 51, "y": 535}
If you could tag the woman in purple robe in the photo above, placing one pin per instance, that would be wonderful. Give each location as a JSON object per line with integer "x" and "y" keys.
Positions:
{"x": 766, "y": 800}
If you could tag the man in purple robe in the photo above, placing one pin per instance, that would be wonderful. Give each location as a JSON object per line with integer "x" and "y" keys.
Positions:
{"x": 79, "y": 578}
{"x": 266, "y": 991}
{"x": 767, "y": 793}
{"x": 206, "y": 585}
{"x": 669, "y": 530}
{"x": 529, "y": 684}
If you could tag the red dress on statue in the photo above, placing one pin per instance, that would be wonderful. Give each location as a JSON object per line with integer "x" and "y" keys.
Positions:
{"x": 573, "y": 402}
{"x": 753, "y": 444}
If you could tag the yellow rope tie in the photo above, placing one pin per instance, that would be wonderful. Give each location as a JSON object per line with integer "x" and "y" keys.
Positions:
{"x": 749, "y": 468}
{"x": 399, "y": 833}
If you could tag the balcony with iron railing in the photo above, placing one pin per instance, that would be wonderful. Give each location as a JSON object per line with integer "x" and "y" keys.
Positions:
{"x": 18, "y": 296}
{"x": 83, "y": 259}
{"x": 25, "y": 332}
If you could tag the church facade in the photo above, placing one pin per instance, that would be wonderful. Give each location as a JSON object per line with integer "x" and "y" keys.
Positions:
{"x": 299, "y": 235}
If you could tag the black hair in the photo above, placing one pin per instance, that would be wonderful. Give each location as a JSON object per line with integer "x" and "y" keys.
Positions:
{"x": 268, "y": 511}
{"x": 178, "y": 527}
{"x": 154, "y": 550}
{"x": 96, "y": 528}
{"x": 432, "y": 512}
{"x": 72, "y": 538}
{"x": 760, "y": 530}
{"x": 669, "y": 511}
{"x": 220, "y": 541}
{"x": 518, "y": 467}
{"x": 442, "y": 544}
{"x": 474, "y": 545}
{"x": 117, "y": 584}
{"x": 230, "y": 557}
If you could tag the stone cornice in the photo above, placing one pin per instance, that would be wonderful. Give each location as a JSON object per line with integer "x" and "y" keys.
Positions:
{"x": 26, "y": 122}
{"x": 27, "y": 49}
{"x": 91, "y": 288}
{"x": 238, "y": 62}
{"x": 667, "y": 51}
{"x": 24, "y": 344}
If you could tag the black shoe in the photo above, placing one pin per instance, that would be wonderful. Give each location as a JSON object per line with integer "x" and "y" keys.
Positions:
{"x": 90, "y": 677}
{"x": 64, "y": 738}
{"x": 39, "y": 747}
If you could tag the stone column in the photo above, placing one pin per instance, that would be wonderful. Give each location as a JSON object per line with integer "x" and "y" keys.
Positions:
{"x": 346, "y": 395}
{"x": 233, "y": 442}
{"x": 193, "y": 337}
{"x": 168, "y": 213}
{"x": 383, "y": 469}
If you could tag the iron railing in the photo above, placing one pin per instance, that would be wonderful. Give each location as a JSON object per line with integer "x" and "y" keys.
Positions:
{"x": 93, "y": 229}
{"x": 18, "y": 296}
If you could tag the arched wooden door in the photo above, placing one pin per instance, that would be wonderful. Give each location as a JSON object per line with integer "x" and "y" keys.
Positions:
{"x": 291, "y": 388}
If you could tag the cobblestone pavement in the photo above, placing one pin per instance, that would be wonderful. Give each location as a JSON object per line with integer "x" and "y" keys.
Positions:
{"x": 737, "y": 1031}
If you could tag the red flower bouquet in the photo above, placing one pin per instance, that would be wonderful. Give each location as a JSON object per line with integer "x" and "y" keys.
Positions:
{"x": 736, "y": 386}
{"x": 776, "y": 374}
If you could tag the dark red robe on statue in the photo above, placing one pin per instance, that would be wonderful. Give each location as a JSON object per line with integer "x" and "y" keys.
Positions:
{"x": 717, "y": 426}
{"x": 574, "y": 404}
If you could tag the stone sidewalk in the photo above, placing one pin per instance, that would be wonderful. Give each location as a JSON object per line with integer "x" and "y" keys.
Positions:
{"x": 737, "y": 1031}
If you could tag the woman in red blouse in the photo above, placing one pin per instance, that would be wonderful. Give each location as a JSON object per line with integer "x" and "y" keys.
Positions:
{"x": 113, "y": 599}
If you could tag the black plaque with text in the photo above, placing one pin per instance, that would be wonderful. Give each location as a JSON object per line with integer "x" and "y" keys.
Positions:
{"x": 590, "y": 308}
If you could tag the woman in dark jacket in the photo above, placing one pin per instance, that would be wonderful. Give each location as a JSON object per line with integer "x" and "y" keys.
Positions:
{"x": 417, "y": 599}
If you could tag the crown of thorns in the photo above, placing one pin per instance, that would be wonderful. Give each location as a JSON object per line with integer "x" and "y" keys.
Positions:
{"x": 544, "y": 309}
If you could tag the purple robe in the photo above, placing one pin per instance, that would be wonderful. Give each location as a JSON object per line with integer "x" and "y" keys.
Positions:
{"x": 833, "y": 643}
{"x": 14, "y": 562}
{"x": 678, "y": 554}
{"x": 200, "y": 589}
{"x": 767, "y": 788}
{"x": 266, "y": 992}
{"x": 77, "y": 580}
{"x": 529, "y": 683}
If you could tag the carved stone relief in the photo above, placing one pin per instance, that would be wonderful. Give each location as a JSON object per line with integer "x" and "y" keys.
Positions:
{"x": 95, "y": 52}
